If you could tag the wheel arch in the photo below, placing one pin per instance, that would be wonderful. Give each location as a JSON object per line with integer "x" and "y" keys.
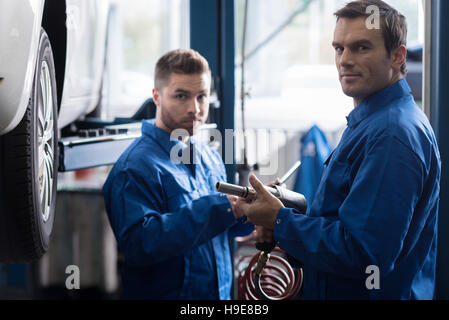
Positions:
{"x": 54, "y": 23}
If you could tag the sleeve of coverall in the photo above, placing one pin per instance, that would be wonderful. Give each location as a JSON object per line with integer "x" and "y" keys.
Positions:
{"x": 239, "y": 229}
{"x": 146, "y": 235}
{"x": 372, "y": 222}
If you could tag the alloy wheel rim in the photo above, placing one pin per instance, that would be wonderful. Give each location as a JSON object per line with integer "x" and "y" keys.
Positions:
{"x": 45, "y": 140}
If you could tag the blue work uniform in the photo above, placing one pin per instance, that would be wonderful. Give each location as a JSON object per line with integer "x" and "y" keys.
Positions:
{"x": 170, "y": 224}
{"x": 371, "y": 230}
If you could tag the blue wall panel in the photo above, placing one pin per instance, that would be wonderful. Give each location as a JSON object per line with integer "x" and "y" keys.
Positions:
{"x": 439, "y": 101}
{"x": 212, "y": 34}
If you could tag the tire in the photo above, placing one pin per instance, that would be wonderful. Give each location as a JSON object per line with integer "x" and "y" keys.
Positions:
{"x": 28, "y": 169}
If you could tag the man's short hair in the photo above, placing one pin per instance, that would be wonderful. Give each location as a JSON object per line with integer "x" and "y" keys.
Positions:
{"x": 180, "y": 61}
{"x": 393, "y": 24}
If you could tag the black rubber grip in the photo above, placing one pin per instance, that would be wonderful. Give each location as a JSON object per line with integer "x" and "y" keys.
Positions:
{"x": 265, "y": 246}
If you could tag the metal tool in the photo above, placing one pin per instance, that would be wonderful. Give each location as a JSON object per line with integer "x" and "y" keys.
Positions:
{"x": 289, "y": 173}
{"x": 288, "y": 198}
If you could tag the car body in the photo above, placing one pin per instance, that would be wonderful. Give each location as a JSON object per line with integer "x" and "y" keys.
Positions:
{"x": 81, "y": 58}
{"x": 52, "y": 61}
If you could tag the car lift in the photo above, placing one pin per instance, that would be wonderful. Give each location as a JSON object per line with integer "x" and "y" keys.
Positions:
{"x": 98, "y": 143}
{"x": 95, "y": 142}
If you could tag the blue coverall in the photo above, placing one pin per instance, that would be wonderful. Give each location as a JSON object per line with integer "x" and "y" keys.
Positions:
{"x": 170, "y": 224}
{"x": 376, "y": 205}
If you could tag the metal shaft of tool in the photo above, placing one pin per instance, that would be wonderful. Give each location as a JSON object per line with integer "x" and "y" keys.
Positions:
{"x": 243, "y": 192}
{"x": 289, "y": 173}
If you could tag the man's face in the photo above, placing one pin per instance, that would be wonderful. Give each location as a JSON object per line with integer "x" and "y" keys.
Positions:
{"x": 363, "y": 63}
{"x": 183, "y": 103}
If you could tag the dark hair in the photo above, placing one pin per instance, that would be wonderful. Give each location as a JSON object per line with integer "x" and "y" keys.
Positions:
{"x": 180, "y": 61}
{"x": 393, "y": 24}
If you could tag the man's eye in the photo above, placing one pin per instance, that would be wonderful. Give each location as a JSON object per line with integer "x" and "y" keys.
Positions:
{"x": 363, "y": 48}
{"x": 180, "y": 96}
{"x": 339, "y": 49}
{"x": 202, "y": 97}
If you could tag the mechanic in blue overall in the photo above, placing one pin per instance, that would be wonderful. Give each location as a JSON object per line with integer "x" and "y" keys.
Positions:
{"x": 371, "y": 230}
{"x": 171, "y": 226}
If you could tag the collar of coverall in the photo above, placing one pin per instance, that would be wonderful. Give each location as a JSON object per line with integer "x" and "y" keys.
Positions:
{"x": 377, "y": 101}
{"x": 163, "y": 138}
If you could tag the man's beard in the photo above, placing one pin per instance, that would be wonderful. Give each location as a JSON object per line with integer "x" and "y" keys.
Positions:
{"x": 173, "y": 125}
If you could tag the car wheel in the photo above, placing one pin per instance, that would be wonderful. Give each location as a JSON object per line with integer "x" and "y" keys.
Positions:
{"x": 28, "y": 169}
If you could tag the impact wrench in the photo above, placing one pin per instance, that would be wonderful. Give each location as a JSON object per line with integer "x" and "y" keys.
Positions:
{"x": 288, "y": 198}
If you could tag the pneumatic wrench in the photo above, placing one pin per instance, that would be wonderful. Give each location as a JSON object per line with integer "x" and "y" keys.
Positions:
{"x": 288, "y": 198}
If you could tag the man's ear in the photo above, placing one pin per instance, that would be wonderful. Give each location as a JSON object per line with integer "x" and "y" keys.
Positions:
{"x": 156, "y": 97}
{"x": 399, "y": 56}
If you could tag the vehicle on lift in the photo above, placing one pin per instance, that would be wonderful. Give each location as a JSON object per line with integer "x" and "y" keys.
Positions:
{"x": 52, "y": 60}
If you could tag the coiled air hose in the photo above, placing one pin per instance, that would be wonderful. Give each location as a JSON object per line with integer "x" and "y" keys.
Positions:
{"x": 262, "y": 278}
{"x": 268, "y": 277}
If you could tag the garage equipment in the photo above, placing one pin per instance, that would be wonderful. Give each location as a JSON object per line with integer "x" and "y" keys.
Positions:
{"x": 288, "y": 198}
{"x": 277, "y": 284}
{"x": 96, "y": 142}
{"x": 277, "y": 280}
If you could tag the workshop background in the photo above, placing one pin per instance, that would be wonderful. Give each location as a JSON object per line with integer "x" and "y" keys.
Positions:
{"x": 292, "y": 105}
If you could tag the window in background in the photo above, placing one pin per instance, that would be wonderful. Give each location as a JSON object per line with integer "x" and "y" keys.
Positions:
{"x": 141, "y": 31}
{"x": 292, "y": 80}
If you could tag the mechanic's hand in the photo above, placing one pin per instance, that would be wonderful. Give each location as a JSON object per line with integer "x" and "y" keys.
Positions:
{"x": 237, "y": 212}
{"x": 276, "y": 182}
{"x": 264, "y": 210}
{"x": 262, "y": 234}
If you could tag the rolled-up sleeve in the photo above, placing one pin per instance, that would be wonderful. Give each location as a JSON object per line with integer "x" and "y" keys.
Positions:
{"x": 372, "y": 223}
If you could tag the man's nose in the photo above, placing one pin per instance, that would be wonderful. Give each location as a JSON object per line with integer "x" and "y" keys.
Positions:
{"x": 194, "y": 107}
{"x": 346, "y": 58}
